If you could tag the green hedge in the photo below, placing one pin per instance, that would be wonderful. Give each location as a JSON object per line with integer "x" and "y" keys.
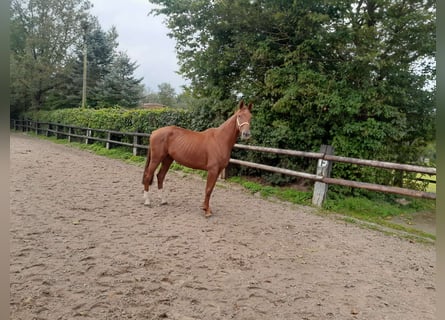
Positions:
{"x": 118, "y": 119}
{"x": 145, "y": 121}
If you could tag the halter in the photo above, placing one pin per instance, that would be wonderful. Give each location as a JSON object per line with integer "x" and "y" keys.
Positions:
{"x": 240, "y": 124}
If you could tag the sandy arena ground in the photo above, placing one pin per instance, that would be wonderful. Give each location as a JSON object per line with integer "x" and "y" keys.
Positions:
{"x": 83, "y": 246}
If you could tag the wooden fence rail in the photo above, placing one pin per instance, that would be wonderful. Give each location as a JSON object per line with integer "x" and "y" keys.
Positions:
{"x": 324, "y": 156}
{"x": 322, "y": 178}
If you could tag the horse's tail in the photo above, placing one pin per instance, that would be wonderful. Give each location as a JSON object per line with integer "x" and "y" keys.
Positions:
{"x": 147, "y": 162}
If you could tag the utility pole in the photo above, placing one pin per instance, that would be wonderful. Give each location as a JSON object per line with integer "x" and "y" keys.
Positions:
{"x": 84, "y": 81}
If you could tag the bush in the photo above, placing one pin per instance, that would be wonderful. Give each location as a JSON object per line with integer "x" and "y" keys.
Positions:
{"x": 266, "y": 131}
{"x": 117, "y": 119}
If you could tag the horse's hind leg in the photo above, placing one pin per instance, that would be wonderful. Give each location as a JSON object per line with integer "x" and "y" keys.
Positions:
{"x": 166, "y": 163}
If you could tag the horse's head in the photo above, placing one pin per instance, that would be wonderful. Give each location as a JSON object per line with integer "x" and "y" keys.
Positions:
{"x": 243, "y": 116}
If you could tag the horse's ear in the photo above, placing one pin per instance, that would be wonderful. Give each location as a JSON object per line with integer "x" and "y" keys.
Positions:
{"x": 241, "y": 104}
{"x": 250, "y": 106}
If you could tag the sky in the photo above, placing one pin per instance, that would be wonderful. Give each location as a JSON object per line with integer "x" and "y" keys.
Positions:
{"x": 144, "y": 38}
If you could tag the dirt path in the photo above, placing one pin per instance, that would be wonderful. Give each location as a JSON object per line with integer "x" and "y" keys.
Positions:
{"x": 83, "y": 246}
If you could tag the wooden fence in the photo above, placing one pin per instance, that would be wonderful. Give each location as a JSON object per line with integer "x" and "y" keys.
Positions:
{"x": 139, "y": 142}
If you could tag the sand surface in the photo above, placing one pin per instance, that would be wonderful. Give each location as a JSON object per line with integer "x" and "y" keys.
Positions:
{"x": 83, "y": 246}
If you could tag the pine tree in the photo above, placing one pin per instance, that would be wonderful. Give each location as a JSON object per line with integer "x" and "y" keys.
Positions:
{"x": 119, "y": 87}
{"x": 44, "y": 34}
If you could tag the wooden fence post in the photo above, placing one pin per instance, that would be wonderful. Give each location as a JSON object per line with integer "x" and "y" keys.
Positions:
{"x": 88, "y": 135}
{"x": 227, "y": 172}
{"x": 223, "y": 175}
{"x": 108, "y": 145}
{"x": 70, "y": 132}
{"x": 323, "y": 169}
{"x": 135, "y": 143}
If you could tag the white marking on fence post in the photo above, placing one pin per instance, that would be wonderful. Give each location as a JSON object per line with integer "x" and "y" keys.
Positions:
{"x": 135, "y": 143}
{"x": 323, "y": 169}
{"x": 108, "y": 145}
{"x": 88, "y": 135}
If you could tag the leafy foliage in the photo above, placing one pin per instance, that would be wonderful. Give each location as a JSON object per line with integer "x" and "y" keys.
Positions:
{"x": 352, "y": 74}
{"x": 46, "y": 58}
{"x": 43, "y": 37}
{"x": 119, "y": 87}
{"x": 117, "y": 119}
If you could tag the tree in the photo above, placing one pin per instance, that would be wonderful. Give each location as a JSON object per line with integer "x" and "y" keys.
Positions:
{"x": 101, "y": 50}
{"x": 150, "y": 96}
{"x": 166, "y": 94}
{"x": 47, "y": 41}
{"x": 44, "y": 34}
{"x": 119, "y": 87}
{"x": 339, "y": 73}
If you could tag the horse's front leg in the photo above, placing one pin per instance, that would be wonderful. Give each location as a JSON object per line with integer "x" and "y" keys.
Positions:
{"x": 148, "y": 179}
{"x": 212, "y": 176}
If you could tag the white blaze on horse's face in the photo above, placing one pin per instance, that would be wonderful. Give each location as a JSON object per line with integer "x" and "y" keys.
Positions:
{"x": 243, "y": 122}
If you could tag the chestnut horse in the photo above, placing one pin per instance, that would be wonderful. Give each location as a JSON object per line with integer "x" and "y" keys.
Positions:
{"x": 207, "y": 150}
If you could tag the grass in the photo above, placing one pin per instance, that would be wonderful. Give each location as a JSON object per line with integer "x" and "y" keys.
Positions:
{"x": 369, "y": 212}
{"x": 380, "y": 210}
{"x": 375, "y": 209}
{"x": 431, "y": 187}
{"x": 384, "y": 208}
